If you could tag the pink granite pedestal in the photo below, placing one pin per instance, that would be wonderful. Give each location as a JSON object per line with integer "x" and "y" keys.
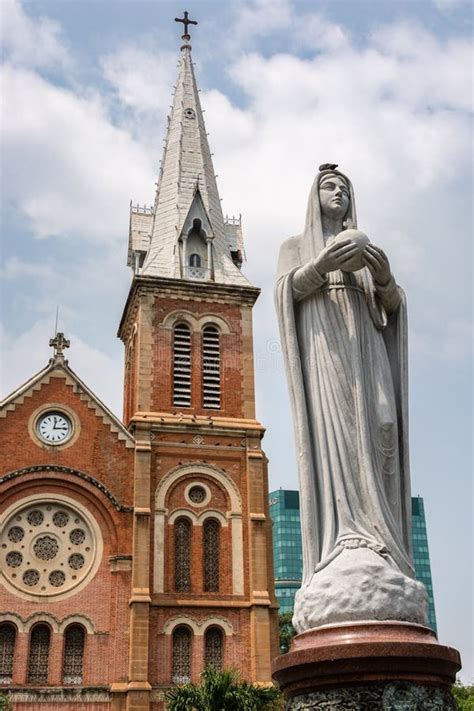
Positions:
{"x": 368, "y": 666}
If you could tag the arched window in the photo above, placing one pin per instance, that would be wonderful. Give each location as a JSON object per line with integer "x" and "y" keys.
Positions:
{"x": 7, "y": 649}
{"x": 195, "y": 260}
{"x": 213, "y": 648}
{"x": 73, "y": 660}
{"x": 211, "y": 534}
{"x": 182, "y": 365}
{"x": 181, "y": 673}
{"x": 38, "y": 659}
{"x": 182, "y": 557}
{"x": 211, "y": 368}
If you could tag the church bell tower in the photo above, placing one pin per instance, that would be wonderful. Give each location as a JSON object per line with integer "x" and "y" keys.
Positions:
{"x": 202, "y": 581}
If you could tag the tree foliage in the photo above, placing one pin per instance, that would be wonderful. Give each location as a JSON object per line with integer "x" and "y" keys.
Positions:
{"x": 222, "y": 691}
{"x": 287, "y": 631}
{"x": 464, "y": 696}
{"x": 5, "y": 704}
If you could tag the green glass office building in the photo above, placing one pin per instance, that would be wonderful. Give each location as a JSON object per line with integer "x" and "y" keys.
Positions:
{"x": 287, "y": 553}
{"x": 421, "y": 554}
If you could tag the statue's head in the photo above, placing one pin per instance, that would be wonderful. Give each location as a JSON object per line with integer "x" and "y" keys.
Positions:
{"x": 331, "y": 196}
{"x": 334, "y": 195}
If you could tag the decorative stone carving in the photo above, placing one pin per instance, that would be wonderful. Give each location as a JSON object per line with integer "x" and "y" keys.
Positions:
{"x": 344, "y": 341}
{"x": 392, "y": 696}
{"x": 60, "y": 695}
{"x": 47, "y": 547}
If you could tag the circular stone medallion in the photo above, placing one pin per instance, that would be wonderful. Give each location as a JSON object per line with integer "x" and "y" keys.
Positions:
{"x": 48, "y": 546}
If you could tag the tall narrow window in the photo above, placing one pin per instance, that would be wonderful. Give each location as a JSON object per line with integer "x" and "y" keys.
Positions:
{"x": 73, "y": 660}
{"x": 182, "y": 365}
{"x": 195, "y": 260}
{"x": 182, "y": 558}
{"x": 211, "y": 368}
{"x": 181, "y": 655}
{"x": 7, "y": 649}
{"x": 39, "y": 655}
{"x": 213, "y": 648}
{"x": 211, "y": 555}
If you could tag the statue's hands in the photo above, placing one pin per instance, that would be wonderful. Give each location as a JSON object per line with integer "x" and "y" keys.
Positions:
{"x": 376, "y": 261}
{"x": 333, "y": 256}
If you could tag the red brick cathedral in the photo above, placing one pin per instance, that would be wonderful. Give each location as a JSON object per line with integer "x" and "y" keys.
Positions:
{"x": 135, "y": 553}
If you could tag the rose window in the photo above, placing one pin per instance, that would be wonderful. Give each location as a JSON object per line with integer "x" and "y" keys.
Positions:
{"x": 16, "y": 534}
{"x": 197, "y": 494}
{"x": 14, "y": 559}
{"x": 48, "y": 547}
{"x": 35, "y": 518}
{"x": 60, "y": 519}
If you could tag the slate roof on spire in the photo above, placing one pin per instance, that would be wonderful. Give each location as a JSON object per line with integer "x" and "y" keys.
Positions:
{"x": 186, "y": 169}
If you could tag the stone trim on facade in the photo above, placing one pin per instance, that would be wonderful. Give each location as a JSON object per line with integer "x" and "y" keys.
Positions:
{"x": 198, "y": 627}
{"x": 67, "y": 470}
{"x": 55, "y": 370}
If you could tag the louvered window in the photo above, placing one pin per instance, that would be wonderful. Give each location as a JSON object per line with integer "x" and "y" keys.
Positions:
{"x": 73, "y": 655}
{"x": 182, "y": 557}
{"x": 182, "y": 365}
{"x": 211, "y": 368}
{"x": 181, "y": 655}
{"x": 211, "y": 555}
{"x": 213, "y": 648}
{"x": 39, "y": 655}
{"x": 7, "y": 649}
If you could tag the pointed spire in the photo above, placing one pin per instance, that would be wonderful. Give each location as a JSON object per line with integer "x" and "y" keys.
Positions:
{"x": 187, "y": 200}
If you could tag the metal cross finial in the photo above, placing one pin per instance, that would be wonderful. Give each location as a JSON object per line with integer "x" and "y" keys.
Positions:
{"x": 186, "y": 22}
{"x": 59, "y": 343}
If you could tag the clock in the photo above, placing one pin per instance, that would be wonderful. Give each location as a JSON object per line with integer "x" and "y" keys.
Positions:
{"x": 54, "y": 427}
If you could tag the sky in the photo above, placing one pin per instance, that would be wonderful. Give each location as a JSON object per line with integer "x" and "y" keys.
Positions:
{"x": 383, "y": 88}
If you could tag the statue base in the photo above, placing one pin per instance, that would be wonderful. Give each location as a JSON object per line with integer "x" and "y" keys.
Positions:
{"x": 368, "y": 665}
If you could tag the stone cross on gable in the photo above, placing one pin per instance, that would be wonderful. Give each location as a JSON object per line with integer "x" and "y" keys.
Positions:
{"x": 59, "y": 343}
{"x": 186, "y": 22}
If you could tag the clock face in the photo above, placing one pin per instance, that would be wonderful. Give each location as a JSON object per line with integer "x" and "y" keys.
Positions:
{"x": 54, "y": 427}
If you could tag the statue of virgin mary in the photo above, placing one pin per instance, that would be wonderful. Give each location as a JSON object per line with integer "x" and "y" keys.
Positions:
{"x": 343, "y": 328}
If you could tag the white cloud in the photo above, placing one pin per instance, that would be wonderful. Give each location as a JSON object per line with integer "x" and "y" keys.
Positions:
{"x": 261, "y": 17}
{"x": 142, "y": 79}
{"x": 450, "y": 4}
{"x": 32, "y": 43}
{"x": 15, "y": 268}
{"x": 66, "y": 166}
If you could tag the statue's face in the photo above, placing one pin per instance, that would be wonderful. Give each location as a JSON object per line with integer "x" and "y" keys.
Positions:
{"x": 334, "y": 197}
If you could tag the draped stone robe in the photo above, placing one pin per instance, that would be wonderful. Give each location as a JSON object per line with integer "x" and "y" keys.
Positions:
{"x": 344, "y": 340}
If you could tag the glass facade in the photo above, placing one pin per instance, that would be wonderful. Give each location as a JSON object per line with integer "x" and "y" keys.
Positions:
{"x": 421, "y": 554}
{"x": 287, "y": 554}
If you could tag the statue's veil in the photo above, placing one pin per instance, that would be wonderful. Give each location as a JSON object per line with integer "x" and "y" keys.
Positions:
{"x": 312, "y": 237}
{"x": 294, "y": 253}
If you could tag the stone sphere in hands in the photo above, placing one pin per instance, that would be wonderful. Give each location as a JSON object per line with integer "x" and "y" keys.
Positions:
{"x": 361, "y": 240}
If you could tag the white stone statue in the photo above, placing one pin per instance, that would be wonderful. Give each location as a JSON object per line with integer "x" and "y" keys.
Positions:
{"x": 343, "y": 328}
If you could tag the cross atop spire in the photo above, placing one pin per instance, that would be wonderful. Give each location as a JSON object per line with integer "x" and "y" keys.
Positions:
{"x": 59, "y": 343}
{"x": 186, "y": 22}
